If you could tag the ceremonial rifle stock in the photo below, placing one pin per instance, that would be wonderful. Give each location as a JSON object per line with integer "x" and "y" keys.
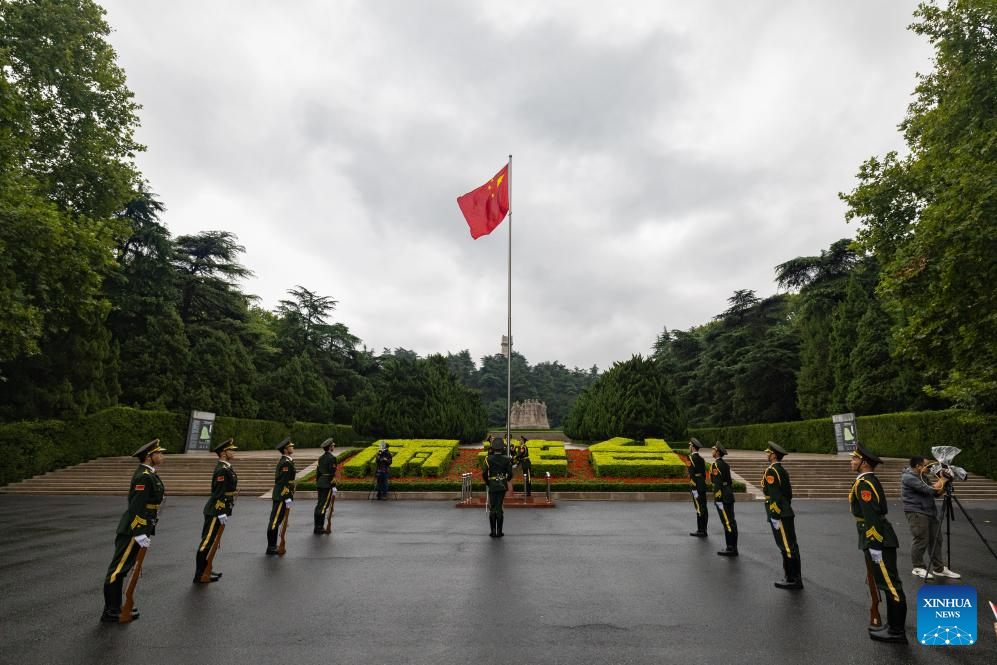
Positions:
{"x": 281, "y": 549}
{"x": 328, "y": 518}
{"x": 875, "y": 621}
{"x": 126, "y": 607}
{"x": 206, "y": 575}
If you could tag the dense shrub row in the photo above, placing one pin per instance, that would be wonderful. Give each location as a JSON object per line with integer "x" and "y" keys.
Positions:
{"x": 891, "y": 435}
{"x": 32, "y": 448}
{"x": 410, "y": 457}
{"x": 545, "y": 456}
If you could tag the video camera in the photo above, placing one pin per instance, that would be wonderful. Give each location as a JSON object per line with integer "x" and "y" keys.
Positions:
{"x": 944, "y": 467}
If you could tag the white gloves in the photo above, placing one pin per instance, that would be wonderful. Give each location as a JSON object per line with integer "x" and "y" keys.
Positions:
{"x": 288, "y": 502}
{"x": 876, "y": 555}
{"x": 335, "y": 491}
{"x": 776, "y": 524}
{"x": 223, "y": 518}
{"x": 143, "y": 540}
{"x": 695, "y": 494}
{"x": 720, "y": 504}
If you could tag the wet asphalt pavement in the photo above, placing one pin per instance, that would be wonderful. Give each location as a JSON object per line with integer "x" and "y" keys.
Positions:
{"x": 421, "y": 582}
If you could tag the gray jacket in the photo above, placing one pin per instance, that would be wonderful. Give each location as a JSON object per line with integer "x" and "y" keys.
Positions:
{"x": 917, "y": 494}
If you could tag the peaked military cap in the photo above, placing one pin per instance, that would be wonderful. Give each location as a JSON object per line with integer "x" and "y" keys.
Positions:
{"x": 284, "y": 444}
{"x": 228, "y": 444}
{"x": 498, "y": 443}
{"x": 694, "y": 442}
{"x": 720, "y": 448}
{"x": 148, "y": 449}
{"x": 328, "y": 443}
{"x": 775, "y": 448}
{"x": 867, "y": 455}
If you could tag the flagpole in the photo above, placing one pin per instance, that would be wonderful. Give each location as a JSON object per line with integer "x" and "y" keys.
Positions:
{"x": 508, "y": 381}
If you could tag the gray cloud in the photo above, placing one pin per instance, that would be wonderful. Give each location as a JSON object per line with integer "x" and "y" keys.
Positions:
{"x": 666, "y": 153}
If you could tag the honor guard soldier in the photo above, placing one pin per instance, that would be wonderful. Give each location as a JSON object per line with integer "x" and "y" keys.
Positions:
{"x": 879, "y": 543}
{"x": 525, "y": 465}
{"x": 496, "y": 474}
{"x": 136, "y": 526}
{"x": 218, "y": 508}
{"x": 723, "y": 498}
{"x": 697, "y": 482}
{"x": 779, "y": 509}
{"x": 283, "y": 493}
{"x": 325, "y": 477}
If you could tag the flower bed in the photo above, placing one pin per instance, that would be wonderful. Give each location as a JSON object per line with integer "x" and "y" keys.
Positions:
{"x": 580, "y": 477}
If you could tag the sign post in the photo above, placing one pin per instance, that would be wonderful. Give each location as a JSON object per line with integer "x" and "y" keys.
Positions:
{"x": 845, "y": 432}
{"x": 199, "y": 431}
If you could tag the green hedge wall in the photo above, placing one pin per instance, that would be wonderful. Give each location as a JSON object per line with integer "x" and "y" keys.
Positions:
{"x": 889, "y": 435}
{"x": 35, "y": 447}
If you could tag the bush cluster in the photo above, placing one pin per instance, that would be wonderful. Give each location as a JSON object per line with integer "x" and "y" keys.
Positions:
{"x": 545, "y": 456}
{"x": 410, "y": 457}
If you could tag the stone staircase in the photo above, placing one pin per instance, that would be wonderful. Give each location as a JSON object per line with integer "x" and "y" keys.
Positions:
{"x": 817, "y": 476}
{"x": 183, "y": 474}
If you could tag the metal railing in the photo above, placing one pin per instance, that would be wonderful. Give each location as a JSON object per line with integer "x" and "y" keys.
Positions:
{"x": 465, "y": 487}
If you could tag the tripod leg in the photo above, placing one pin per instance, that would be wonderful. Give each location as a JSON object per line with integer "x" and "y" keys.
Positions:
{"x": 973, "y": 524}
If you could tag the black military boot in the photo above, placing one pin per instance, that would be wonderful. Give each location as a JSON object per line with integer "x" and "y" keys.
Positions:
{"x": 112, "y": 604}
{"x": 893, "y": 631}
{"x": 728, "y": 552}
{"x": 500, "y": 520}
{"x": 491, "y": 522}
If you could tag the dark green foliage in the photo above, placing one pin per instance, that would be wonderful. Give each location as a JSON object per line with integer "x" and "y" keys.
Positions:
{"x": 32, "y": 448}
{"x": 633, "y": 399}
{"x": 891, "y": 435}
{"x": 413, "y": 398}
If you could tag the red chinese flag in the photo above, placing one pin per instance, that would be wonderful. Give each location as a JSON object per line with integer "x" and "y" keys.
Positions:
{"x": 485, "y": 207}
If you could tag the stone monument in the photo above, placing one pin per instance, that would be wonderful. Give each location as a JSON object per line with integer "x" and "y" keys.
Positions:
{"x": 530, "y": 414}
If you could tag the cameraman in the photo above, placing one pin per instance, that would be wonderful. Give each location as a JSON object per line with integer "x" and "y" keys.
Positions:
{"x": 918, "y": 489}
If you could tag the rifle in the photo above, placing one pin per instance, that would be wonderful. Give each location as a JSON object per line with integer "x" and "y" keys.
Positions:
{"x": 332, "y": 509}
{"x": 206, "y": 575}
{"x": 126, "y": 608}
{"x": 875, "y": 621}
{"x": 281, "y": 549}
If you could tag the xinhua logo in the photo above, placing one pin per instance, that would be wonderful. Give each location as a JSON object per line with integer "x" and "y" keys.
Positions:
{"x": 946, "y": 614}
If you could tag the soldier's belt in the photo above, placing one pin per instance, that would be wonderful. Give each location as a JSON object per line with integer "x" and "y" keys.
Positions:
{"x": 229, "y": 493}
{"x": 152, "y": 506}
{"x": 500, "y": 477}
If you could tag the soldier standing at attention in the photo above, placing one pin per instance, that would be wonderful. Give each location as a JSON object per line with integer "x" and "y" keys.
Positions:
{"x": 283, "y": 492}
{"x": 697, "y": 482}
{"x": 324, "y": 481}
{"x": 525, "y": 465}
{"x": 218, "y": 508}
{"x": 135, "y": 527}
{"x": 779, "y": 509}
{"x": 879, "y": 543}
{"x": 496, "y": 474}
{"x": 723, "y": 498}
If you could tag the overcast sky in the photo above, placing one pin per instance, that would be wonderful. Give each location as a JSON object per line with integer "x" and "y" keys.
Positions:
{"x": 664, "y": 153}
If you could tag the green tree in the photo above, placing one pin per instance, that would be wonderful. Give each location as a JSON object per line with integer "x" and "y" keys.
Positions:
{"x": 928, "y": 217}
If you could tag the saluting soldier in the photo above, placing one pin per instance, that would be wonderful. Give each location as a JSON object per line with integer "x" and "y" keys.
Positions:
{"x": 218, "y": 508}
{"x": 136, "y": 526}
{"x": 496, "y": 474}
{"x": 283, "y": 492}
{"x": 779, "y": 509}
{"x": 324, "y": 482}
{"x": 525, "y": 465}
{"x": 697, "y": 487}
{"x": 723, "y": 498}
{"x": 878, "y": 542}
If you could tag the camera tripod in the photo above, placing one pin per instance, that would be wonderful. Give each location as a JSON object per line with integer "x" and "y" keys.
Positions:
{"x": 949, "y": 512}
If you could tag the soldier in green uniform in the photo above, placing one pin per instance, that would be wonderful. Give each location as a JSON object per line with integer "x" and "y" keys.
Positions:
{"x": 723, "y": 498}
{"x": 283, "y": 492}
{"x": 496, "y": 474}
{"x": 136, "y": 526}
{"x": 525, "y": 465}
{"x": 879, "y": 543}
{"x": 218, "y": 508}
{"x": 779, "y": 510}
{"x": 697, "y": 487}
{"x": 324, "y": 483}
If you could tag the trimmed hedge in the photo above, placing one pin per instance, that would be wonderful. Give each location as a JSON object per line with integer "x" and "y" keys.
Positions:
{"x": 890, "y": 435}
{"x": 31, "y": 448}
{"x": 544, "y": 456}
{"x": 424, "y": 457}
{"x": 620, "y": 444}
{"x": 617, "y": 464}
